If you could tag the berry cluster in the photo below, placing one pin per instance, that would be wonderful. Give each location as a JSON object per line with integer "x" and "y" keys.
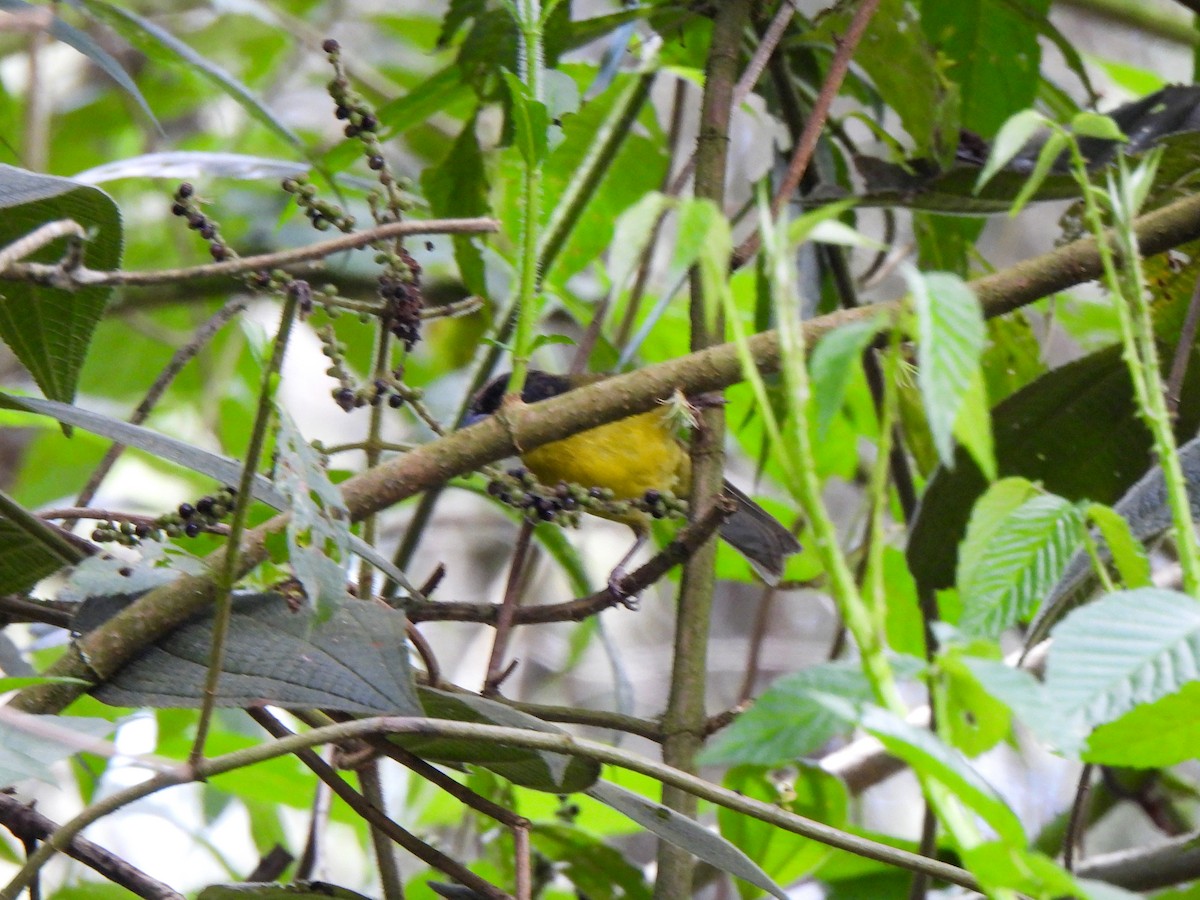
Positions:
{"x": 564, "y": 502}
{"x": 188, "y": 521}
{"x": 320, "y": 212}
{"x": 187, "y": 206}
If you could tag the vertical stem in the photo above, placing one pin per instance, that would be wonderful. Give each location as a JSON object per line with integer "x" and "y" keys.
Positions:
{"x": 529, "y": 62}
{"x": 226, "y": 577}
{"x": 684, "y": 720}
{"x": 385, "y": 854}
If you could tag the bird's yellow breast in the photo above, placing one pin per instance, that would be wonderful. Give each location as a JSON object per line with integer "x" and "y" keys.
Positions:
{"x": 629, "y": 457}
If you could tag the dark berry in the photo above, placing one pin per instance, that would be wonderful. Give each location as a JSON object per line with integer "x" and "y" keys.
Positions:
{"x": 191, "y": 529}
{"x": 186, "y": 510}
{"x": 204, "y": 506}
{"x": 208, "y": 231}
{"x": 185, "y": 190}
{"x": 218, "y": 251}
{"x": 495, "y": 488}
{"x": 395, "y": 401}
{"x": 344, "y": 397}
{"x": 375, "y": 162}
{"x": 329, "y": 45}
{"x": 196, "y": 221}
{"x": 351, "y": 130}
{"x": 652, "y": 496}
{"x": 142, "y": 530}
{"x": 178, "y": 209}
{"x": 369, "y": 123}
{"x": 595, "y": 493}
{"x": 342, "y": 111}
{"x": 124, "y": 571}
{"x": 429, "y": 246}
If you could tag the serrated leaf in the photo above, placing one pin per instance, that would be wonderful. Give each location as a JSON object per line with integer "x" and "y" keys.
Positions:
{"x": 686, "y": 834}
{"x": 788, "y": 721}
{"x": 148, "y": 36}
{"x": 49, "y": 329}
{"x": 1122, "y": 650}
{"x": 1026, "y": 554}
{"x": 832, "y": 365}
{"x": 30, "y": 745}
{"x": 318, "y": 529}
{"x": 356, "y": 661}
{"x": 951, "y": 334}
{"x": 537, "y": 769}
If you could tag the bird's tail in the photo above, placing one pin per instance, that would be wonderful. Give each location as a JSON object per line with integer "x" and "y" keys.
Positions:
{"x": 755, "y": 534}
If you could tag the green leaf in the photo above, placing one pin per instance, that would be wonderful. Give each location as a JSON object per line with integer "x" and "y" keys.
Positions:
{"x": 808, "y": 791}
{"x": 990, "y": 50}
{"x": 416, "y": 106}
{"x": 458, "y": 186}
{"x": 593, "y": 868}
{"x": 1004, "y": 868}
{"x": 1127, "y": 552}
{"x": 49, "y": 329}
{"x": 1151, "y": 736}
{"x": 530, "y": 119}
{"x": 157, "y": 42}
{"x": 356, "y": 661}
{"x": 1094, "y": 125}
{"x": 1026, "y": 552}
{"x": 1046, "y": 158}
{"x": 1018, "y": 131}
{"x": 973, "y": 427}
{"x": 788, "y": 720}
{"x": 30, "y": 745}
{"x": 538, "y": 769}
{"x": 832, "y": 365}
{"x": 951, "y": 335}
{"x": 635, "y": 226}
{"x": 1125, "y": 649}
{"x": 926, "y": 753}
{"x": 970, "y": 717}
{"x": 905, "y": 70}
{"x": 685, "y": 833}
{"x": 30, "y": 549}
{"x": 1021, "y": 692}
{"x": 318, "y": 529}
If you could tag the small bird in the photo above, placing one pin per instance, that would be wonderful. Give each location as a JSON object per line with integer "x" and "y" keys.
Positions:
{"x": 630, "y": 457}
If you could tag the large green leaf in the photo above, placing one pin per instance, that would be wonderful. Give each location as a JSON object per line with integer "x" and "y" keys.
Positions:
{"x": 950, "y": 334}
{"x": 1074, "y": 430}
{"x": 1125, "y": 649}
{"x": 1023, "y": 557}
{"x": 1153, "y": 735}
{"x": 537, "y": 769}
{"x": 356, "y": 661}
{"x": 30, "y": 549}
{"x": 48, "y": 328}
{"x": 996, "y": 55}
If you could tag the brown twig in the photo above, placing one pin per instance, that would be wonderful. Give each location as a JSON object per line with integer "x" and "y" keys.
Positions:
{"x": 807, "y": 144}
{"x": 376, "y": 818}
{"x": 73, "y": 278}
{"x": 497, "y": 670}
{"x": 27, "y": 824}
{"x": 693, "y": 535}
{"x": 1183, "y": 351}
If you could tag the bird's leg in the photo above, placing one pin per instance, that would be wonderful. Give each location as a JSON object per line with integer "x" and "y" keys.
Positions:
{"x": 617, "y": 575}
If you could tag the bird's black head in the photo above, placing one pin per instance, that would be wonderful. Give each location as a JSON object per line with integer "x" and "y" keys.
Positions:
{"x": 539, "y": 385}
